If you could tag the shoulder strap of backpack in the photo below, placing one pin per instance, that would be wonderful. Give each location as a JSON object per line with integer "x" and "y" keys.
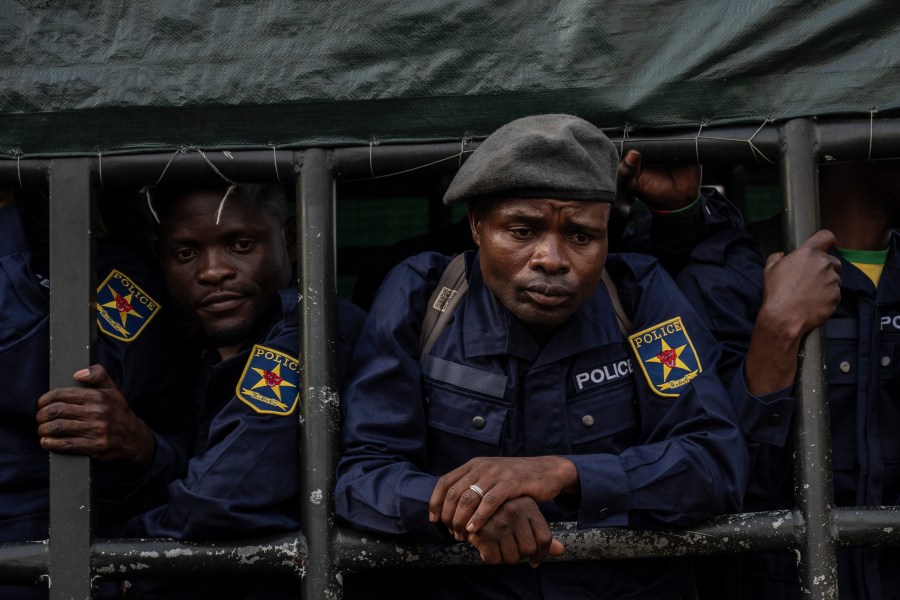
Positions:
{"x": 453, "y": 285}
{"x": 444, "y": 300}
{"x": 621, "y": 316}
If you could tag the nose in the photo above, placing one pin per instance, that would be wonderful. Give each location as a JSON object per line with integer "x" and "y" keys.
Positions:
{"x": 549, "y": 256}
{"x": 214, "y": 268}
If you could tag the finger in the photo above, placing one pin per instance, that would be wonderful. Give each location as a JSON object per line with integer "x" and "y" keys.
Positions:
{"x": 489, "y": 551}
{"x": 492, "y": 501}
{"x": 68, "y": 445}
{"x": 94, "y": 376}
{"x": 66, "y": 395}
{"x": 63, "y": 428}
{"x": 820, "y": 240}
{"x": 556, "y": 548}
{"x": 468, "y": 503}
{"x": 629, "y": 169}
{"x": 60, "y": 410}
{"x": 509, "y": 550}
{"x": 772, "y": 261}
{"x": 543, "y": 538}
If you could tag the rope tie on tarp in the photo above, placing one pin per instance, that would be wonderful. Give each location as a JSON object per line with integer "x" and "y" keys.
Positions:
{"x": 464, "y": 142}
{"x": 232, "y": 185}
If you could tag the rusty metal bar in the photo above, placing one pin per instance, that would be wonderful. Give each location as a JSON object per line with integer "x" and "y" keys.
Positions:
{"x": 813, "y": 490}
{"x": 318, "y": 334}
{"x": 72, "y": 337}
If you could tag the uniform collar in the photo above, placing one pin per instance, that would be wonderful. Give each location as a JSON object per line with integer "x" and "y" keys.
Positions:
{"x": 490, "y": 329}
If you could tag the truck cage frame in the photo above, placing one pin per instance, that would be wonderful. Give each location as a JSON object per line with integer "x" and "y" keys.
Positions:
{"x": 71, "y": 561}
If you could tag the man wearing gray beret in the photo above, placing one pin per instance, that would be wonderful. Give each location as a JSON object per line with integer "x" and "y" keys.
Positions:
{"x": 507, "y": 388}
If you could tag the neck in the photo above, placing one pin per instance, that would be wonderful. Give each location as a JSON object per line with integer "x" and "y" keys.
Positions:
{"x": 858, "y": 220}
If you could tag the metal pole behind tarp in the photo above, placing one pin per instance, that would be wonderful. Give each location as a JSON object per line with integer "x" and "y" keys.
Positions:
{"x": 72, "y": 336}
{"x": 318, "y": 343}
{"x": 813, "y": 490}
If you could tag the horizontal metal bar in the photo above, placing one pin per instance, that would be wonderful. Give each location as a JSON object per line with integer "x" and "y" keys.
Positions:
{"x": 123, "y": 558}
{"x": 730, "y": 534}
{"x": 272, "y": 555}
{"x": 866, "y": 526}
{"x": 852, "y": 139}
{"x": 23, "y": 562}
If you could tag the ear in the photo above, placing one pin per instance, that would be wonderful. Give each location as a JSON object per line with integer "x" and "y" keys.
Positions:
{"x": 290, "y": 238}
{"x": 475, "y": 223}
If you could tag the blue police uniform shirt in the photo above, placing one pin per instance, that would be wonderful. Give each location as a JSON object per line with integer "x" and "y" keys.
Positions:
{"x": 862, "y": 348}
{"x": 723, "y": 279}
{"x": 142, "y": 365}
{"x": 244, "y": 476}
{"x": 486, "y": 388}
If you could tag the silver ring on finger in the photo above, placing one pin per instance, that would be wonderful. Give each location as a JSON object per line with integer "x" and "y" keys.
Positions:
{"x": 478, "y": 491}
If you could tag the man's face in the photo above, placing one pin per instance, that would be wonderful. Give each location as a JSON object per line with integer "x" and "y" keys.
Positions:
{"x": 224, "y": 277}
{"x": 541, "y": 258}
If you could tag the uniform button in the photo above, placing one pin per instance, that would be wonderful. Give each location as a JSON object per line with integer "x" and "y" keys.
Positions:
{"x": 774, "y": 420}
{"x": 478, "y": 422}
{"x": 885, "y": 361}
{"x": 845, "y": 367}
{"x": 601, "y": 514}
{"x": 587, "y": 420}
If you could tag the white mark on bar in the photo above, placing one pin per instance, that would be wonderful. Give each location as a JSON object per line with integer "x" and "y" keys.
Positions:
{"x": 179, "y": 552}
{"x": 778, "y": 523}
{"x": 316, "y": 497}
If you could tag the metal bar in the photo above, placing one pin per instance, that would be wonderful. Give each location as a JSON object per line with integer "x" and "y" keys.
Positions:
{"x": 23, "y": 563}
{"x": 813, "y": 490}
{"x": 72, "y": 337}
{"x": 318, "y": 335}
{"x": 268, "y": 556}
{"x": 729, "y": 534}
{"x": 851, "y": 139}
{"x": 867, "y": 526}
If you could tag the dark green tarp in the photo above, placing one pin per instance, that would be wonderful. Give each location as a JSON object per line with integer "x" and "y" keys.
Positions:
{"x": 137, "y": 75}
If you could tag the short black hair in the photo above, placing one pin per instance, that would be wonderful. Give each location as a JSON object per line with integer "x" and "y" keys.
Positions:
{"x": 270, "y": 198}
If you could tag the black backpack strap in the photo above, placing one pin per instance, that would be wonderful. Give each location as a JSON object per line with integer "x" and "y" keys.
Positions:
{"x": 621, "y": 316}
{"x": 444, "y": 300}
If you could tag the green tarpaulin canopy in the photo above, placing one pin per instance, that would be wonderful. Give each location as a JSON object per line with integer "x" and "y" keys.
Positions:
{"x": 118, "y": 76}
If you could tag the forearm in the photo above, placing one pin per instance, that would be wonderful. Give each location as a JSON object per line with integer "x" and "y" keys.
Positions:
{"x": 771, "y": 362}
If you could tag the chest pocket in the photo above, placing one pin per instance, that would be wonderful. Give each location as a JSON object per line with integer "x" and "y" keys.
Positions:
{"x": 604, "y": 419}
{"x": 842, "y": 372}
{"x": 465, "y": 401}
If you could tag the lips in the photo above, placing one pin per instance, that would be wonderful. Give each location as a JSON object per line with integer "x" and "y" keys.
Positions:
{"x": 548, "y": 294}
{"x": 221, "y": 301}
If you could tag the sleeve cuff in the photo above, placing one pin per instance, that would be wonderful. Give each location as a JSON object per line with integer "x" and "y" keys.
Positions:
{"x": 764, "y": 419}
{"x": 605, "y": 495}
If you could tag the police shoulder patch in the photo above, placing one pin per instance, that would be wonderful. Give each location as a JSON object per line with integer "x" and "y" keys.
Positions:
{"x": 123, "y": 308}
{"x": 667, "y": 357}
{"x": 270, "y": 383}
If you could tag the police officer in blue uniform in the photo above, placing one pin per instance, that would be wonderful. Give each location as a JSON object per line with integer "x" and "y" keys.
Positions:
{"x": 533, "y": 405}
{"x": 227, "y": 264}
{"x": 135, "y": 327}
{"x": 859, "y": 206}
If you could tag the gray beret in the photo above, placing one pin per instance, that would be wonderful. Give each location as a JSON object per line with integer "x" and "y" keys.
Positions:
{"x": 541, "y": 156}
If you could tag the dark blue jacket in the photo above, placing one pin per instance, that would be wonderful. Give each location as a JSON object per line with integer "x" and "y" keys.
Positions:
{"x": 244, "y": 476}
{"x": 643, "y": 459}
{"x": 862, "y": 356}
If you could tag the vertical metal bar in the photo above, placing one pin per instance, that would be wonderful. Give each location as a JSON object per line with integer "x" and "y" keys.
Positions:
{"x": 813, "y": 490}
{"x": 318, "y": 343}
{"x": 72, "y": 337}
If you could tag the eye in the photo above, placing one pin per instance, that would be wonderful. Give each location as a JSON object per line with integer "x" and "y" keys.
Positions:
{"x": 243, "y": 245}
{"x": 579, "y": 237}
{"x": 522, "y": 233}
{"x": 184, "y": 254}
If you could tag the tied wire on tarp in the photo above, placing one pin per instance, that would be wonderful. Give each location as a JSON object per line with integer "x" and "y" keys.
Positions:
{"x": 232, "y": 185}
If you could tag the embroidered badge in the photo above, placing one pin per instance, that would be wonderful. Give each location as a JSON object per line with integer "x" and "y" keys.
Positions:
{"x": 123, "y": 309}
{"x": 667, "y": 357}
{"x": 270, "y": 382}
